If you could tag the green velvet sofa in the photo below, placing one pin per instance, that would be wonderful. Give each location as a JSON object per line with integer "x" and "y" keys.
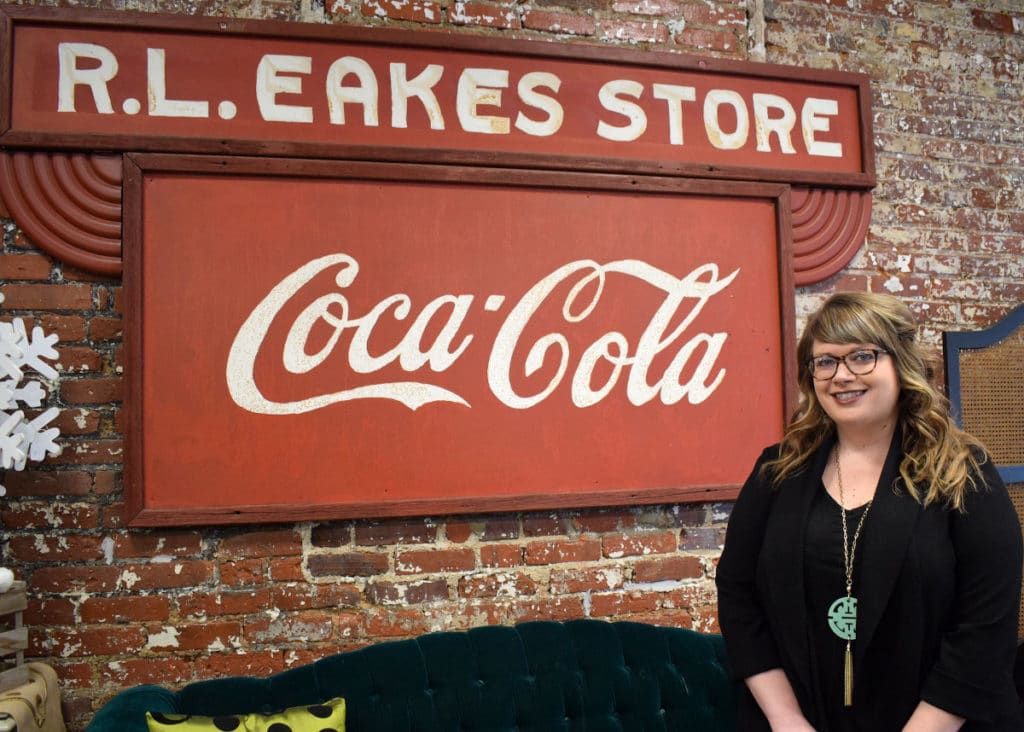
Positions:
{"x": 578, "y": 676}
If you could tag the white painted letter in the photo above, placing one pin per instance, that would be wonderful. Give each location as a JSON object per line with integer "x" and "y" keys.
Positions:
{"x": 159, "y": 104}
{"x": 782, "y": 126}
{"x": 812, "y": 122}
{"x": 422, "y": 88}
{"x": 675, "y": 96}
{"x": 609, "y": 97}
{"x": 556, "y": 115}
{"x": 738, "y": 137}
{"x": 269, "y": 84}
{"x": 366, "y": 93}
{"x": 96, "y": 79}
{"x": 481, "y": 87}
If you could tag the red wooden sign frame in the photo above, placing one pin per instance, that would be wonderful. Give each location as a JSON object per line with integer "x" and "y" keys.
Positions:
{"x": 318, "y": 339}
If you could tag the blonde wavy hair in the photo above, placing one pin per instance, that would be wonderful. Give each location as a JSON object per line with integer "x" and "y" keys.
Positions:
{"x": 939, "y": 459}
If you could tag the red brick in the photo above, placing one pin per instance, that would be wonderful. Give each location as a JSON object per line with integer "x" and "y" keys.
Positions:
{"x": 498, "y": 528}
{"x": 89, "y": 452}
{"x": 243, "y": 573}
{"x": 633, "y": 31}
{"x": 349, "y": 564}
{"x": 708, "y": 40}
{"x": 715, "y": 15}
{"x": 269, "y": 543}
{"x": 601, "y": 521}
{"x": 555, "y": 552}
{"x": 698, "y": 538}
{"x": 168, "y": 575}
{"x": 561, "y": 609}
{"x": 167, "y": 543}
{"x": 331, "y": 536}
{"x": 505, "y": 584}
{"x": 988, "y": 21}
{"x": 77, "y": 421}
{"x": 261, "y": 664}
{"x": 104, "y": 482}
{"x": 31, "y": 483}
{"x": 407, "y": 593}
{"x": 36, "y": 515}
{"x": 88, "y": 640}
{"x": 25, "y": 267}
{"x": 102, "y": 328}
{"x": 125, "y": 609}
{"x": 396, "y": 531}
{"x": 214, "y": 604}
{"x": 301, "y": 628}
{"x": 419, "y": 11}
{"x": 439, "y": 560}
{"x": 50, "y": 612}
{"x": 559, "y": 22}
{"x": 72, "y": 675}
{"x": 647, "y": 7}
{"x": 183, "y": 637}
{"x": 69, "y": 328}
{"x": 78, "y": 359}
{"x": 668, "y": 568}
{"x": 501, "y": 555}
{"x": 166, "y": 671}
{"x": 591, "y": 579}
{"x": 389, "y": 623}
{"x": 619, "y": 604}
{"x": 482, "y": 14}
{"x": 632, "y": 545}
{"x": 94, "y": 390}
{"x": 74, "y": 579}
{"x": 458, "y": 532}
{"x": 286, "y": 570}
{"x": 545, "y": 525}
{"x": 314, "y": 596}
{"x": 63, "y": 548}
{"x": 46, "y": 297}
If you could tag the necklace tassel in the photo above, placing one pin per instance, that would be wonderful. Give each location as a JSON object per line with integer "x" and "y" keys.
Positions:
{"x": 848, "y": 677}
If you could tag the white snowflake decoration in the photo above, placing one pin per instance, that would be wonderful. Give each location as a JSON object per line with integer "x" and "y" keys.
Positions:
{"x": 22, "y": 439}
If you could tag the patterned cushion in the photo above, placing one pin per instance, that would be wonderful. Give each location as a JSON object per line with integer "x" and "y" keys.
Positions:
{"x": 327, "y": 717}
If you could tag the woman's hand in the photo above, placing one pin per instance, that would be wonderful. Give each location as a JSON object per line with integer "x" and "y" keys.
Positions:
{"x": 929, "y": 718}
{"x": 774, "y": 694}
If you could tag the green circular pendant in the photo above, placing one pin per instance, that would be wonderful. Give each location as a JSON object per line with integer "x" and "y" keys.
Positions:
{"x": 842, "y": 618}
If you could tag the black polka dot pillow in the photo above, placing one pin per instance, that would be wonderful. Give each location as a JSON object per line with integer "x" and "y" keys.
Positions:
{"x": 326, "y": 717}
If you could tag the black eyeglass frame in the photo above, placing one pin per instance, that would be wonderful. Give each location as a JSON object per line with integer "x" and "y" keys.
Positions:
{"x": 875, "y": 352}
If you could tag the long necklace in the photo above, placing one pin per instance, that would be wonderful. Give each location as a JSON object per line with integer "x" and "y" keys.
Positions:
{"x": 842, "y": 614}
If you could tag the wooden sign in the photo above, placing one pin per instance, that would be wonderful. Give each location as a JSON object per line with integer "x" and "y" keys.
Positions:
{"x": 339, "y": 339}
{"x": 143, "y": 82}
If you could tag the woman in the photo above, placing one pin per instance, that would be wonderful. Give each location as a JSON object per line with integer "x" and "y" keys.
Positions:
{"x": 871, "y": 573}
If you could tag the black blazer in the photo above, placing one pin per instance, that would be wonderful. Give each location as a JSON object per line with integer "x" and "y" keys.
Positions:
{"x": 938, "y": 599}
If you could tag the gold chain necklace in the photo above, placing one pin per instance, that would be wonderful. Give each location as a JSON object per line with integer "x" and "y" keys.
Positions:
{"x": 842, "y": 614}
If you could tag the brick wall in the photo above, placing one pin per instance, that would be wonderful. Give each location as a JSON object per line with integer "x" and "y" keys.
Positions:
{"x": 113, "y": 607}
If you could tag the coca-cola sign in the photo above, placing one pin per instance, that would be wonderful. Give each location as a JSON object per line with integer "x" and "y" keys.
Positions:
{"x": 340, "y": 340}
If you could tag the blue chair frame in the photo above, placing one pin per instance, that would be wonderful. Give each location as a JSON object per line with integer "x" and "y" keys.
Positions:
{"x": 955, "y": 341}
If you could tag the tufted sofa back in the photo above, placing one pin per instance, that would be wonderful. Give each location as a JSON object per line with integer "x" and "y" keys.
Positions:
{"x": 581, "y": 675}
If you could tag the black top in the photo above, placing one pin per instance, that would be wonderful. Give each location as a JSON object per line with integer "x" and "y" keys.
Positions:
{"x": 938, "y": 595}
{"x": 825, "y": 579}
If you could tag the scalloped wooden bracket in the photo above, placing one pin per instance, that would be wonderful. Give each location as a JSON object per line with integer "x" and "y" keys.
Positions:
{"x": 829, "y": 226}
{"x": 69, "y": 204}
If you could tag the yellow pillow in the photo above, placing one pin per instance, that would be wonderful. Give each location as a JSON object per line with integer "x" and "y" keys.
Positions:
{"x": 326, "y": 717}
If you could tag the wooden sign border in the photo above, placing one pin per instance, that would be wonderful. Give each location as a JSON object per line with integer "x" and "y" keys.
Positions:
{"x": 138, "y": 513}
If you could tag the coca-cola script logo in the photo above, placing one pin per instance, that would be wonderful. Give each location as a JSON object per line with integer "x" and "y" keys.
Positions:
{"x": 691, "y": 355}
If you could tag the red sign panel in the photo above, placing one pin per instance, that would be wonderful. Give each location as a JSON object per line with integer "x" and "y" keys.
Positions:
{"x": 340, "y": 340}
{"x": 205, "y": 85}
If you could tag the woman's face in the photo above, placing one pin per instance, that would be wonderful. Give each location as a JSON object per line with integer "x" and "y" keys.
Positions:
{"x": 858, "y": 400}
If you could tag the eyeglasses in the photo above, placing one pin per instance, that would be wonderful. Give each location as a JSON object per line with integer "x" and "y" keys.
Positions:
{"x": 859, "y": 363}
